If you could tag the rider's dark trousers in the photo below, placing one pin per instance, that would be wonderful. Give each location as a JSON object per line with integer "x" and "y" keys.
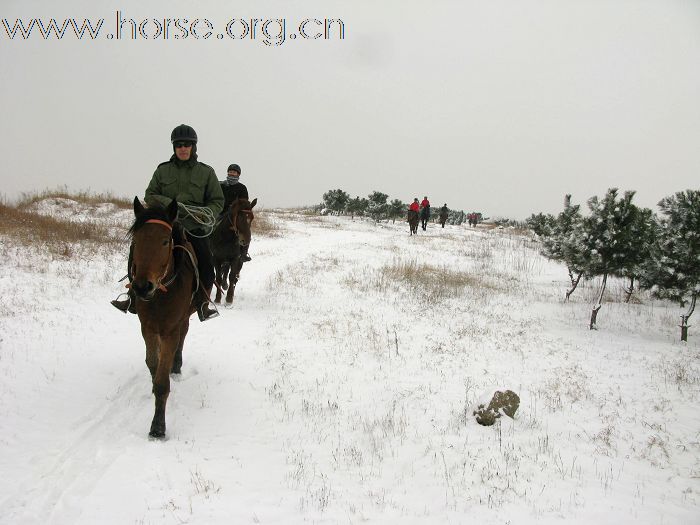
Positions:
{"x": 205, "y": 261}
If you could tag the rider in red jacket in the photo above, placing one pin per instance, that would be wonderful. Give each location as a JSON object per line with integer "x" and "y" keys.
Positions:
{"x": 425, "y": 203}
{"x": 414, "y": 205}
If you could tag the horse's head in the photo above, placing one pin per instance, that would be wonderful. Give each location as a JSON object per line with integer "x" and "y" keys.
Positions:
{"x": 152, "y": 241}
{"x": 240, "y": 215}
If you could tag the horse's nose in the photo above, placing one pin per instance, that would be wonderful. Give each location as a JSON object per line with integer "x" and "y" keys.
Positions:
{"x": 142, "y": 289}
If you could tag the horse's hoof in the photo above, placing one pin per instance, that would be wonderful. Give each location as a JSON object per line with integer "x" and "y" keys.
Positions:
{"x": 157, "y": 431}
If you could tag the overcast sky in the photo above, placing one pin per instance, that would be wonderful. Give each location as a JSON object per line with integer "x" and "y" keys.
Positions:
{"x": 499, "y": 106}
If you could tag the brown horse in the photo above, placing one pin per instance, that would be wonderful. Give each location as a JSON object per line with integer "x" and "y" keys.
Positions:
{"x": 443, "y": 217}
{"x": 230, "y": 234}
{"x": 413, "y": 221}
{"x": 164, "y": 281}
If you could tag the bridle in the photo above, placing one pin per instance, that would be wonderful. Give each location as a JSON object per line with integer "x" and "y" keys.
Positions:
{"x": 163, "y": 286}
{"x": 234, "y": 221}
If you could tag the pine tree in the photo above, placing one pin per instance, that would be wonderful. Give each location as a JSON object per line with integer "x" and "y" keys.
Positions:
{"x": 378, "y": 207}
{"x": 641, "y": 239}
{"x": 607, "y": 239}
{"x": 397, "y": 208}
{"x": 456, "y": 217}
{"x": 541, "y": 223}
{"x": 562, "y": 242}
{"x": 356, "y": 206}
{"x": 672, "y": 270}
{"x": 336, "y": 200}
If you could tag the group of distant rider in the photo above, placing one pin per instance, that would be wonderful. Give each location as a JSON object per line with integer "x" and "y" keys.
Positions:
{"x": 473, "y": 218}
{"x": 192, "y": 183}
{"x": 423, "y": 209}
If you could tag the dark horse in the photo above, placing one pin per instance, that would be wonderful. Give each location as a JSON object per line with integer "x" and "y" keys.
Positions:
{"x": 413, "y": 221}
{"x": 231, "y": 233}
{"x": 424, "y": 216}
{"x": 443, "y": 217}
{"x": 164, "y": 280}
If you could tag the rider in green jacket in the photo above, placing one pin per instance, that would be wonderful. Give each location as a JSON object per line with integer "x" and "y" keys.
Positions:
{"x": 192, "y": 183}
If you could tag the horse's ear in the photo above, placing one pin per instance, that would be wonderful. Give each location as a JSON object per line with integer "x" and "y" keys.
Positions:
{"x": 252, "y": 204}
{"x": 138, "y": 207}
{"x": 172, "y": 210}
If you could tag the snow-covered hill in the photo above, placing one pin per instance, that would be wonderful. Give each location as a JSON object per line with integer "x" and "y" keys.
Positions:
{"x": 339, "y": 389}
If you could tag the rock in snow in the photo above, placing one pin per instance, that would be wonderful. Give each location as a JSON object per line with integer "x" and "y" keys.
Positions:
{"x": 501, "y": 402}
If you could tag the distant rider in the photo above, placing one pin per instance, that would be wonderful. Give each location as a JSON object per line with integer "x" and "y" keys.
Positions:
{"x": 233, "y": 189}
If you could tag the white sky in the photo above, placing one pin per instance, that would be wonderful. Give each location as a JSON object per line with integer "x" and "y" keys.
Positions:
{"x": 501, "y": 107}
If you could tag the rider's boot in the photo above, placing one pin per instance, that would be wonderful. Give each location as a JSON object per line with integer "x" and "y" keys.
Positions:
{"x": 244, "y": 254}
{"x": 125, "y": 305}
{"x": 205, "y": 309}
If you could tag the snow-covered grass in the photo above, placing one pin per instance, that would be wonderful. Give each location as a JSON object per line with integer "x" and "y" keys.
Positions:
{"x": 340, "y": 387}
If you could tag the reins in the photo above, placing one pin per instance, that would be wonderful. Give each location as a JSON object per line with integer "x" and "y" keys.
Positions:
{"x": 202, "y": 216}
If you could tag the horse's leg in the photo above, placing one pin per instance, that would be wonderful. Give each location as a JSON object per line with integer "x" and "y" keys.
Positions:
{"x": 152, "y": 344}
{"x": 225, "y": 266}
{"x": 233, "y": 279}
{"x": 177, "y": 360}
{"x": 218, "y": 280}
{"x": 161, "y": 382}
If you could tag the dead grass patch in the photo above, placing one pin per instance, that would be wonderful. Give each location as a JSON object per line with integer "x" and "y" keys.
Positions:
{"x": 56, "y": 235}
{"x": 264, "y": 226}
{"x": 81, "y": 196}
{"x": 435, "y": 283}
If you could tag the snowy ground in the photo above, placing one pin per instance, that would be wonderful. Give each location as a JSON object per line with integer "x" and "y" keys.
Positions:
{"x": 339, "y": 389}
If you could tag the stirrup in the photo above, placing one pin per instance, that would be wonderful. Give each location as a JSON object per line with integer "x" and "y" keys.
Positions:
{"x": 211, "y": 314}
{"x": 124, "y": 305}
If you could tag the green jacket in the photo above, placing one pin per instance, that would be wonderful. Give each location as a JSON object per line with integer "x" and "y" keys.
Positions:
{"x": 192, "y": 183}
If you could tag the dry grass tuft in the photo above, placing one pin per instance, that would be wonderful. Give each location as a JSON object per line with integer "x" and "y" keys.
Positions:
{"x": 436, "y": 283}
{"x": 56, "y": 235}
{"x": 82, "y": 196}
{"x": 263, "y": 226}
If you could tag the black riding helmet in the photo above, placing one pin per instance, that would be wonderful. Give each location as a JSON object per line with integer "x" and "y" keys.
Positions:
{"x": 184, "y": 133}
